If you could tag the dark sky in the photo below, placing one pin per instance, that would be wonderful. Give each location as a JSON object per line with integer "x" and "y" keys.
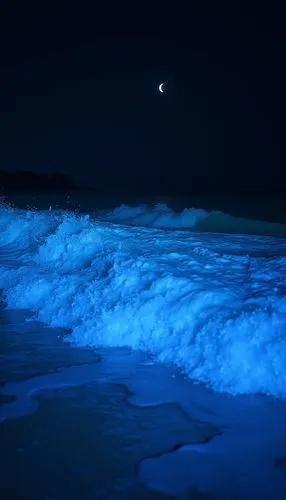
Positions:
{"x": 79, "y": 94}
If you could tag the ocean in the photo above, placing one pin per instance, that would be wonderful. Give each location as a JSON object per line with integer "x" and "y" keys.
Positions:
{"x": 143, "y": 347}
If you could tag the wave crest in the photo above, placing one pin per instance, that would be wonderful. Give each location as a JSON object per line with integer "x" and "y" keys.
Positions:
{"x": 161, "y": 216}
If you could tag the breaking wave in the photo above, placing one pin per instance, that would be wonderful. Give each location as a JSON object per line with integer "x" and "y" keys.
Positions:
{"x": 213, "y": 305}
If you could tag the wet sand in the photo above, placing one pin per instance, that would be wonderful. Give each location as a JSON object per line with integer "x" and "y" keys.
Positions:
{"x": 107, "y": 424}
{"x": 76, "y": 436}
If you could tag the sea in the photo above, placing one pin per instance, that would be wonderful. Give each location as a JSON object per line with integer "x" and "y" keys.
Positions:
{"x": 142, "y": 347}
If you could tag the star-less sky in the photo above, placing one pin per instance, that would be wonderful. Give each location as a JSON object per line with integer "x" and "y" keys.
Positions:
{"x": 79, "y": 94}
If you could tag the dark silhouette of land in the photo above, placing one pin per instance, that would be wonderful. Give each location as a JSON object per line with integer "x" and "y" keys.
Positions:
{"x": 26, "y": 180}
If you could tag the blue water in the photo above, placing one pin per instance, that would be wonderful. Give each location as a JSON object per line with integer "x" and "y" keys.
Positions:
{"x": 199, "y": 292}
{"x": 211, "y": 304}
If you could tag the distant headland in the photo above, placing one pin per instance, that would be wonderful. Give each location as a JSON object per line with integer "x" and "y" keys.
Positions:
{"x": 27, "y": 180}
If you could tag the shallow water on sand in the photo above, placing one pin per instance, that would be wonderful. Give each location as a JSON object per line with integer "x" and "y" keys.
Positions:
{"x": 68, "y": 429}
{"x": 80, "y": 424}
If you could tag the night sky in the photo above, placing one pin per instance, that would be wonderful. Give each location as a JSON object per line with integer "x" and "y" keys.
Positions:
{"x": 79, "y": 94}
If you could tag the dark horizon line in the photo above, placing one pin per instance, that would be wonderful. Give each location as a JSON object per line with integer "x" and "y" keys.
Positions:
{"x": 28, "y": 180}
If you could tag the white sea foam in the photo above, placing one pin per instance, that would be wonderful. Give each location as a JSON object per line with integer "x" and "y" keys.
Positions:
{"x": 211, "y": 304}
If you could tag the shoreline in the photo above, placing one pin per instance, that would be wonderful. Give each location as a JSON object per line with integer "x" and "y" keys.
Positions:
{"x": 221, "y": 426}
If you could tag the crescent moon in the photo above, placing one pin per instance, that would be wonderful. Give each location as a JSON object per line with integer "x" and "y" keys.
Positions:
{"x": 161, "y": 87}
